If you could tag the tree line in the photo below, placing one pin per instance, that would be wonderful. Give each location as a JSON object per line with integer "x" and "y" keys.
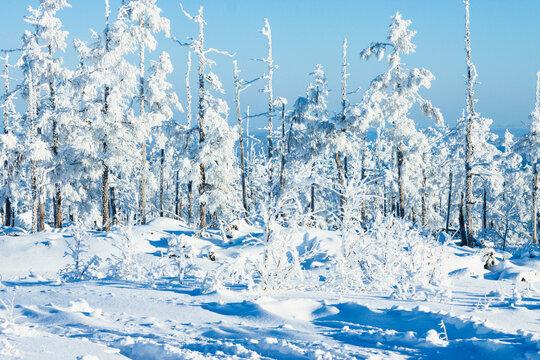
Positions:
{"x": 99, "y": 143}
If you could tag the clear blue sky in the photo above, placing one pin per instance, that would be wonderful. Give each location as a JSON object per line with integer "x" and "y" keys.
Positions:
{"x": 505, "y": 45}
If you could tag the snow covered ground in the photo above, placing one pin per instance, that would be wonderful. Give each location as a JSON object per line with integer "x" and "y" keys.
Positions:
{"x": 158, "y": 314}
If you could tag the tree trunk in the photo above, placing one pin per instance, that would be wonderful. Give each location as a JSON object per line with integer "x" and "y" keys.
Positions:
{"x": 57, "y": 200}
{"x": 312, "y": 202}
{"x": 143, "y": 144}
{"x": 202, "y": 135}
{"x": 162, "y": 185}
{"x": 105, "y": 220}
{"x": 267, "y": 32}
{"x": 58, "y": 206}
{"x": 282, "y": 171}
{"x": 401, "y": 190}
{"x": 462, "y": 230}
{"x": 535, "y": 203}
{"x": 484, "y": 212}
{"x": 9, "y": 212}
{"x": 468, "y": 140}
{"x": 341, "y": 179}
{"x": 41, "y": 209}
{"x": 362, "y": 176}
{"x": 237, "y": 86}
{"x": 337, "y": 156}
{"x": 202, "y": 205}
{"x": 190, "y": 201}
{"x": 177, "y": 206}
{"x": 424, "y": 194}
{"x": 35, "y": 200}
{"x": 449, "y": 205}
{"x": 114, "y": 209}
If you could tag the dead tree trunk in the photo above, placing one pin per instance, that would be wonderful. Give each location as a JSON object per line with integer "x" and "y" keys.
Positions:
{"x": 105, "y": 219}
{"x": 424, "y": 193}
{"x": 535, "y": 203}
{"x": 282, "y": 170}
{"x": 449, "y": 204}
{"x": 462, "y": 230}
{"x": 177, "y": 203}
{"x": 41, "y": 208}
{"x": 484, "y": 211}
{"x": 535, "y": 185}
{"x": 471, "y": 115}
{"x": 188, "y": 113}
{"x": 162, "y": 184}
{"x": 8, "y": 209}
{"x": 266, "y": 31}
{"x": 31, "y": 116}
{"x": 202, "y": 135}
{"x": 114, "y": 209}
{"x": 337, "y": 156}
{"x": 237, "y": 86}
{"x": 57, "y": 200}
{"x": 35, "y": 200}
{"x": 106, "y": 223}
{"x": 142, "y": 112}
{"x": 401, "y": 190}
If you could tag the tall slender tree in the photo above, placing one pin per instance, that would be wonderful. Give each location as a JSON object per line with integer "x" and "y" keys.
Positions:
{"x": 534, "y": 138}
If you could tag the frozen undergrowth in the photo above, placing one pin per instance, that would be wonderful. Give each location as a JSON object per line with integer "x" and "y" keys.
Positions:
{"x": 178, "y": 294}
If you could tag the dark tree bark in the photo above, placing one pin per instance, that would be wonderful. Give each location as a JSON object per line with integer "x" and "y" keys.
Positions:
{"x": 462, "y": 230}
{"x": 449, "y": 205}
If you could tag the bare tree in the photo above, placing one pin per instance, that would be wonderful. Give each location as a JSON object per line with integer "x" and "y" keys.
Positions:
{"x": 471, "y": 114}
{"x": 201, "y": 52}
{"x": 338, "y": 156}
{"x": 267, "y": 32}
{"x": 238, "y": 89}
{"x": 535, "y": 148}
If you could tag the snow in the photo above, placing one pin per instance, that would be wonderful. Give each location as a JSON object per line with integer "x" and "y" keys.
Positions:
{"x": 474, "y": 313}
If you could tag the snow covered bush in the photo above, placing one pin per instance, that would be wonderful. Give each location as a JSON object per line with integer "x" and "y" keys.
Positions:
{"x": 125, "y": 265}
{"x": 181, "y": 256}
{"x": 391, "y": 255}
{"x": 82, "y": 266}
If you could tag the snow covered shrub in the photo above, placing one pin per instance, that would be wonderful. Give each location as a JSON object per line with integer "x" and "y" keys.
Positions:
{"x": 82, "y": 266}
{"x": 181, "y": 256}
{"x": 391, "y": 255}
{"x": 125, "y": 266}
{"x": 7, "y": 312}
{"x": 280, "y": 267}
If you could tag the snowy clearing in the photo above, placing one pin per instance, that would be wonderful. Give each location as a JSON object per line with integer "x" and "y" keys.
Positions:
{"x": 474, "y": 313}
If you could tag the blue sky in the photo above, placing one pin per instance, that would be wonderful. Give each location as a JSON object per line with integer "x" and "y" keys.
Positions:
{"x": 505, "y": 46}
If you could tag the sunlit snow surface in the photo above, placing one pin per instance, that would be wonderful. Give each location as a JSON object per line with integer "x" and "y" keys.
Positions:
{"x": 486, "y": 314}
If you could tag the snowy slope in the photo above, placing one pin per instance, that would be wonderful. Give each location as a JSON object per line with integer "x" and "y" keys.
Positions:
{"x": 475, "y": 313}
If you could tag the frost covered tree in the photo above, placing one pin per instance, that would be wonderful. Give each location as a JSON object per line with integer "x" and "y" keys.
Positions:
{"x": 509, "y": 209}
{"x": 145, "y": 20}
{"x": 31, "y": 64}
{"x": 534, "y": 150}
{"x": 218, "y": 169}
{"x": 479, "y": 149}
{"x": 389, "y": 99}
{"x": 53, "y": 38}
{"x": 107, "y": 138}
{"x": 10, "y": 147}
{"x": 239, "y": 86}
{"x": 269, "y": 89}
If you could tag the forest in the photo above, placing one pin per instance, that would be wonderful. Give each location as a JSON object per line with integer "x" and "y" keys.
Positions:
{"x": 108, "y": 142}
{"x": 141, "y": 222}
